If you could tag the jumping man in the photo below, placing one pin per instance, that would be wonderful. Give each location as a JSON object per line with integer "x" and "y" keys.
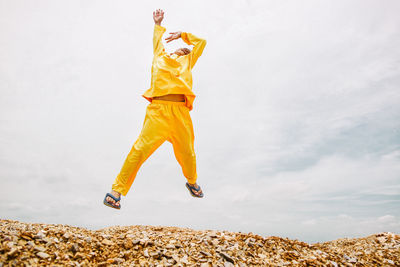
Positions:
{"x": 167, "y": 116}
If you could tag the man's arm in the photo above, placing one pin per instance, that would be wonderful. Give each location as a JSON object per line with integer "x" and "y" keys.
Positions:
{"x": 198, "y": 48}
{"x": 159, "y": 30}
{"x": 190, "y": 39}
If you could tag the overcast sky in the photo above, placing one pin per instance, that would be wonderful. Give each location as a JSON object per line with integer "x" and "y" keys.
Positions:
{"x": 296, "y": 119}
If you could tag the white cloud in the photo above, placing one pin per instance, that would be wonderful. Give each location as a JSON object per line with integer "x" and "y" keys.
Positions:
{"x": 386, "y": 218}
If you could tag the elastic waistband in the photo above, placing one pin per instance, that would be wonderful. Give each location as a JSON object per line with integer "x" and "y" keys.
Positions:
{"x": 166, "y": 102}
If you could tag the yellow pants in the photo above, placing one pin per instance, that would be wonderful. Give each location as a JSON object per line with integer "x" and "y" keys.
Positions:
{"x": 164, "y": 121}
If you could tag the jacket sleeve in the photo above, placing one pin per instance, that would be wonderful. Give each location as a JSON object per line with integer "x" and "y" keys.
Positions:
{"x": 158, "y": 47}
{"x": 198, "y": 48}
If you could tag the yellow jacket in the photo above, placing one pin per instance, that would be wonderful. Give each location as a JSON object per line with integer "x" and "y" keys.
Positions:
{"x": 173, "y": 74}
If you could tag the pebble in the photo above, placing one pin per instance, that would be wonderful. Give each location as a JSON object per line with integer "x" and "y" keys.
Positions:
{"x": 39, "y": 248}
{"x": 40, "y": 235}
{"x": 43, "y": 255}
{"x": 227, "y": 257}
{"x": 66, "y": 235}
{"x": 146, "y": 253}
{"x": 171, "y": 246}
{"x": 74, "y": 248}
{"x": 107, "y": 242}
{"x": 128, "y": 244}
{"x": 12, "y": 252}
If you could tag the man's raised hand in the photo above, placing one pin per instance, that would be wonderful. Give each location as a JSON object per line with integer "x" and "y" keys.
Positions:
{"x": 158, "y": 16}
{"x": 173, "y": 36}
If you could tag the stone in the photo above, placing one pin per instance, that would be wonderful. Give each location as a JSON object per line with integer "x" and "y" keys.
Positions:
{"x": 170, "y": 246}
{"x": 79, "y": 255}
{"x": 381, "y": 239}
{"x": 13, "y": 252}
{"x": 66, "y": 235}
{"x": 227, "y": 257}
{"x": 26, "y": 236}
{"x": 205, "y": 253}
{"x": 213, "y": 234}
{"x": 128, "y": 244}
{"x": 10, "y": 245}
{"x": 43, "y": 255}
{"x": 21, "y": 242}
{"x": 74, "y": 248}
{"x": 185, "y": 259}
{"x": 39, "y": 248}
{"x": 115, "y": 261}
{"x": 107, "y": 242}
{"x": 146, "y": 253}
{"x": 40, "y": 235}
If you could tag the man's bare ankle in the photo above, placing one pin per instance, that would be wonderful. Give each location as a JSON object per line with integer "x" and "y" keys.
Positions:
{"x": 115, "y": 193}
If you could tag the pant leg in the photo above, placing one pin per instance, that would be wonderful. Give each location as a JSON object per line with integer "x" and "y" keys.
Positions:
{"x": 182, "y": 139}
{"x": 153, "y": 134}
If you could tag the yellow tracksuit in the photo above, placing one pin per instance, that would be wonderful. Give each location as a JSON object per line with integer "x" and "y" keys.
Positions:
{"x": 166, "y": 120}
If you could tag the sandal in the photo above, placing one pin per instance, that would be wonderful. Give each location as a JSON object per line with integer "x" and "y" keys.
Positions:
{"x": 110, "y": 204}
{"x": 191, "y": 188}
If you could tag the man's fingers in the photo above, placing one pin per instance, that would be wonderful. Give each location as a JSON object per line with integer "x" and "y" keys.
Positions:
{"x": 170, "y": 38}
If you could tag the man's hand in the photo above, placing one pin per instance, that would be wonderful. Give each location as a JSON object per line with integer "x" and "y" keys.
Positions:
{"x": 173, "y": 36}
{"x": 158, "y": 16}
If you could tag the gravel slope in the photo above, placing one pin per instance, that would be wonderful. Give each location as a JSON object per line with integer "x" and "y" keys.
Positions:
{"x": 33, "y": 244}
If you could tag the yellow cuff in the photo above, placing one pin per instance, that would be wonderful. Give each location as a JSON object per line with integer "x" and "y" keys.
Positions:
{"x": 185, "y": 38}
{"x": 159, "y": 27}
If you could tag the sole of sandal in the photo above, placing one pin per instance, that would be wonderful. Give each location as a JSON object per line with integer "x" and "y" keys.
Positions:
{"x": 111, "y": 206}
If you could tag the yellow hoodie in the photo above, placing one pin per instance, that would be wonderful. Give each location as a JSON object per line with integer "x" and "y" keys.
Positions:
{"x": 171, "y": 74}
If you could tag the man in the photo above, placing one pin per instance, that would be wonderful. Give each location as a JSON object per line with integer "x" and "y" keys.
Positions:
{"x": 167, "y": 116}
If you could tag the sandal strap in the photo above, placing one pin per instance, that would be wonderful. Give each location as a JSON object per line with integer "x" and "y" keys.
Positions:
{"x": 194, "y": 188}
{"x": 113, "y": 197}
